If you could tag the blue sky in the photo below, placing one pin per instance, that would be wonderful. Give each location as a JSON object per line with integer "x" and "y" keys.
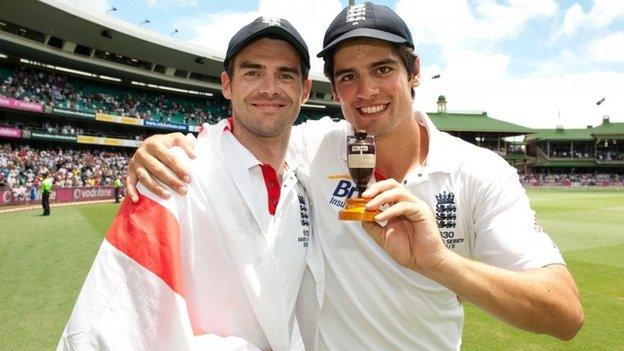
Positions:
{"x": 539, "y": 63}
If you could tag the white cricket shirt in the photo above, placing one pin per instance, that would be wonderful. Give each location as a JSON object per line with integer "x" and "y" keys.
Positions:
{"x": 282, "y": 212}
{"x": 210, "y": 270}
{"x": 372, "y": 303}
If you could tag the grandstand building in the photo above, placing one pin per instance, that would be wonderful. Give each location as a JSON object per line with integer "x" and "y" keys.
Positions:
{"x": 485, "y": 131}
{"x": 593, "y": 149}
{"x": 79, "y": 93}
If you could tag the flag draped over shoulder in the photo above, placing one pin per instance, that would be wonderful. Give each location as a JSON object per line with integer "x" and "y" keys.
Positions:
{"x": 193, "y": 272}
{"x": 133, "y": 297}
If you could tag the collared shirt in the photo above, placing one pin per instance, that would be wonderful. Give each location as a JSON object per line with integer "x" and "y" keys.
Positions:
{"x": 282, "y": 213}
{"x": 371, "y": 302}
{"x": 211, "y": 270}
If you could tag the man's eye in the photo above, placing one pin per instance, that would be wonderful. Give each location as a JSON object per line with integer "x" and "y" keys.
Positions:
{"x": 384, "y": 70}
{"x": 346, "y": 77}
{"x": 286, "y": 76}
{"x": 252, "y": 73}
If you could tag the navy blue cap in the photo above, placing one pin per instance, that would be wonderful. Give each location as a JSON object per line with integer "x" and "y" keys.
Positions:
{"x": 267, "y": 26}
{"x": 366, "y": 20}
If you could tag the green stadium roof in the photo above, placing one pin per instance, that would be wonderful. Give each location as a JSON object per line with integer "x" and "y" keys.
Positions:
{"x": 562, "y": 135}
{"x": 465, "y": 122}
{"x": 609, "y": 129}
{"x": 606, "y": 130}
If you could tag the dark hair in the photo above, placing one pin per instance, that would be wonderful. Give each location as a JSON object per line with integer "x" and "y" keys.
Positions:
{"x": 229, "y": 67}
{"x": 406, "y": 53}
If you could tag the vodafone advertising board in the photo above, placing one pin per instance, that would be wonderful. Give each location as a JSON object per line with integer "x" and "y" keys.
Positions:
{"x": 15, "y": 197}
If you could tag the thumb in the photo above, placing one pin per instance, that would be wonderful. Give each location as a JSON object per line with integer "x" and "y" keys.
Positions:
{"x": 187, "y": 143}
{"x": 131, "y": 182}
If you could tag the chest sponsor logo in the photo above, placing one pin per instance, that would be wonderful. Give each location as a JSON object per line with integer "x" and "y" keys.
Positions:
{"x": 343, "y": 190}
{"x": 304, "y": 217}
{"x": 446, "y": 216}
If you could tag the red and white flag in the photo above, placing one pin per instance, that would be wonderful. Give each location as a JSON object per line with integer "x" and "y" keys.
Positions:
{"x": 134, "y": 296}
{"x": 186, "y": 273}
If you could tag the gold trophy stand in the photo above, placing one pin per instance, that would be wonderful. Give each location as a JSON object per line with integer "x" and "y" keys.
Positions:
{"x": 355, "y": 210}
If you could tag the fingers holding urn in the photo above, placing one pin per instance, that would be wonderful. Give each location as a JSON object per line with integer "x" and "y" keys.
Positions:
{"x": 410, "y": 233}
{"x": 380, "y": 187}
{"x": 389, "y": 193}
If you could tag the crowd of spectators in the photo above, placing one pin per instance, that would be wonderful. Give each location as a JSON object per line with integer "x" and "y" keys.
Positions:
{"x": 587, "y": 153}
{"x": 568, "y": 154}
{"x": 576, "y": 150}
{"x": 610, "y": 155}
{"x": 572, "y": 179}
{"x": 67, "y": 128}
{"x": 22, "y": 167}
{"x": 58, "y": 90}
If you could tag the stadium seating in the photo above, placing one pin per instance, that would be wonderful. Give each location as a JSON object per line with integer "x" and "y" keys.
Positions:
{"x": 59, "y": 90}
{"x": 21, "y": 166}
{"x": 572, "y": 179}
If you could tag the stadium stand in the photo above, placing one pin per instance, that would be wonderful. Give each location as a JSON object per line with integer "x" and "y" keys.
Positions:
{"x": 572, "y": 179}
{"x": 22, "y": 166}
{"x": 77, "y": 95}
{"x": 597, "y": 149}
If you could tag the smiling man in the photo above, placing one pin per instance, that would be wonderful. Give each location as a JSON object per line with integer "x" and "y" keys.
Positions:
{"x": 221, "y": 268}
{"x": 458, "y": 224}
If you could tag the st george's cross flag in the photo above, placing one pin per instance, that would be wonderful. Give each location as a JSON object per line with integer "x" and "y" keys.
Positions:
{"x": 189, "y": 273}
{"x": 134, "y": 297}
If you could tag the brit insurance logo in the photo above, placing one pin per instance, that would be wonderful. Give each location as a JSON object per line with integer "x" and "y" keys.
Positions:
{"x": 446, "y": 216}
{"x": 304, "y": 217}
{"x": 344, "y": 189}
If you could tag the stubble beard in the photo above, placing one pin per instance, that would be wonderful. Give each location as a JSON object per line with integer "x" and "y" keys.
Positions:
{"x": 266, "y": 129}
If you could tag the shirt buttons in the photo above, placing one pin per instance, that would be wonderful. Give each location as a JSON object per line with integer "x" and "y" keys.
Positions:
{"x": 420, "y": 174}
{"x": 405, "y": 182}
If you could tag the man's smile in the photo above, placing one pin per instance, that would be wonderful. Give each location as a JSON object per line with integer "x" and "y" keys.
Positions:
{"x": 372, "y": 109}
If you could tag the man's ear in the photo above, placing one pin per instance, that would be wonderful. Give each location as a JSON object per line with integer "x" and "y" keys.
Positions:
{"x": 307, "y": 88}
{"x": 334, "y": 93}
{"x": 415, "y": 79}
{"x": 226, "y": 87}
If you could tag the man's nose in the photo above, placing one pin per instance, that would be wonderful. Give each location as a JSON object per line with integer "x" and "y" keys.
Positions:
{"x": 367, "y": 87}
{"x": 269, "y": 86}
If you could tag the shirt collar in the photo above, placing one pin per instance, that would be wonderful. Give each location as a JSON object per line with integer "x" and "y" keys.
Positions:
{"x": 442, "y": 156}
{"x": 236, "y": 150}
{"x": 245, "y": 157}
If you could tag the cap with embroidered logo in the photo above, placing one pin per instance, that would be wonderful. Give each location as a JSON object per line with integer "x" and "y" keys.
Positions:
{"x": 267, "y": 26}
{"x": 366, "y": 20}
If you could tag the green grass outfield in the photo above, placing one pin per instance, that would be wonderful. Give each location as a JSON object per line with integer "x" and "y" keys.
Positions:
{"x": 44, "y": 260}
